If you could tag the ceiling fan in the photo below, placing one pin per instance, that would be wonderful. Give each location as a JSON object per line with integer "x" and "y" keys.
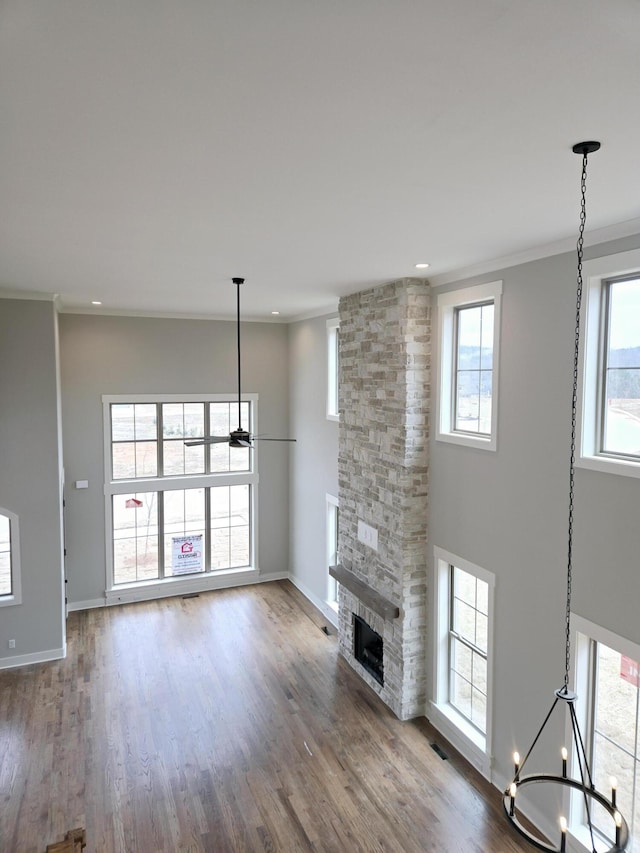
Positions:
{"x": 238, "y": 437}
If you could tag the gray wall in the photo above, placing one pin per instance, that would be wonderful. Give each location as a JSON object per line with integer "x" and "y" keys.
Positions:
{"x": 508, "y": 511}
{"x": 131, "y": 355}
{"x": 30, "y": 476}
{"x": 314, "y": 463}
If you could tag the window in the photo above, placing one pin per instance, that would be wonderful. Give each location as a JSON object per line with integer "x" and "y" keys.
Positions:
{"x": 463, "y": 655}
{"x": 10, "y": 590}
{"x": 173, "y": 510}
{"x": 609, "y": 393}
{"x": 333, "y": 521}
{"x": 608, "y": 677}
{"x": 333, "y": 330}
{"x": 467, "y": 402}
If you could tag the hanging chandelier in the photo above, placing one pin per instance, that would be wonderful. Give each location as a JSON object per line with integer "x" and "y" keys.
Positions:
{"x": 564, "y": 697}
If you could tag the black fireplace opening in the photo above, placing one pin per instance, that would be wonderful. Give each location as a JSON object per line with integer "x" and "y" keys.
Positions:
{"x": 367, "y": 648}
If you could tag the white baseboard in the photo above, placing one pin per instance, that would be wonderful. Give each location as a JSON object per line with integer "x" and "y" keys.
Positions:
{"x": 34, "y": 657}
{"x": 179, "y": 586}
{"x": 85, "y": 605}
{"x": 327, "y": 611}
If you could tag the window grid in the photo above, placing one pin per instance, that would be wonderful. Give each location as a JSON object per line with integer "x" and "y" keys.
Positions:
{"x": 146, "y": 523}
{"x": 472, "y": 377}
{"x": 468, "y": 648}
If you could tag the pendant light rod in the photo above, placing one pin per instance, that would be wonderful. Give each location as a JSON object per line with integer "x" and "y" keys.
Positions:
{"x": 238, "y": 282}
{"x": 583, "y": 148}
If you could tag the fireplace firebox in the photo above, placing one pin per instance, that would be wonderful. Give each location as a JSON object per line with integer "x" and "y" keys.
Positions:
{"x": 368, "y": 648}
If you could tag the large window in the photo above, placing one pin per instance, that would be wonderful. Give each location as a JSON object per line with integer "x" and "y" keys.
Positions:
{"x": 610, "y": 378}
{"x": 173, "y": 510}
{"x": 467, "y": 400}
{"x": 9, "y": 558}
{"x": 461, "y": 706}
{"x": 608, "y": 677}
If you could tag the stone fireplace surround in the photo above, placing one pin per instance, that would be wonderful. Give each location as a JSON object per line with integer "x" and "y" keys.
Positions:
{"x": 384, "y": 401}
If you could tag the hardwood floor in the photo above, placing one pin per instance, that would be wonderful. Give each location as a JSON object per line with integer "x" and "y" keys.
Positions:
{"x": 225, "y": 723}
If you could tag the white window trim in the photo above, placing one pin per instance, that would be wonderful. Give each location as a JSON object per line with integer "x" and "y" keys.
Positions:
{"x": 155, "y": 587}
{"x": 581, "y": 667}
{"x": 332, "y": 584}
{"x": 15, "y": 597}
{"x": 595, "y": 273}
{"x": 447, "y": 304}
{"x": 332, "y": 370}
{"x": 474, "y": 746}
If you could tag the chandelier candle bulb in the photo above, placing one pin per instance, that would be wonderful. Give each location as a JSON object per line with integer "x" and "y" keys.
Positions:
{"x": 564, "y": 754}
{"x": 516, "y": 762}
{"x": 614, "y": 790}
{"x": 618, "y": 819}
{"x": 563, "y": 834}
{"x": 512, "y": 794}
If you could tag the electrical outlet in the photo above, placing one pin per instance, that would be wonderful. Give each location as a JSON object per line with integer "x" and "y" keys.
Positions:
{"x": 12, "y": 644}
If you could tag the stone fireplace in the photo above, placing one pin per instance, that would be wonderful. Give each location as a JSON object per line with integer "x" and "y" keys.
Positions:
{"x": 382, "y": 469}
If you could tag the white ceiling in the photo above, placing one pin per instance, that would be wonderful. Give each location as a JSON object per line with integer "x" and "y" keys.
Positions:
{"x": 152, "y": 149}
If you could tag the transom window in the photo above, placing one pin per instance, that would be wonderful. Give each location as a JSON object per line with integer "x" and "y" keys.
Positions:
{"x": 333, "y": 365}
{"x": 474, "y": 368}
{"x": 176, "y": 510}
{"x": 469, "y": 323}
{"x": 621, "y": 368}
{"x": 608, "y": 429}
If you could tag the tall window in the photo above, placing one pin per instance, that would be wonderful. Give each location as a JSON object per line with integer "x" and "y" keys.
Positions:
{"x": 9, "y": 559}
{"x": 176, "y": 510}
{"x": 468, "y": 642}
{"x": 609, "y": 388}
{"x": 469, "y": 322}
{"x": 333, "y": 522}
{"x": 461, "y": 706}
{"x": 608, "y": 676}
{"x": 333, "y": 342}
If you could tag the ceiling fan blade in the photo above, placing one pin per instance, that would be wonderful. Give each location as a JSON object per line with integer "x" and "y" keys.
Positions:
{"x": 210, "y": 439}
{"x": 258, "y": 438}
{"x": 242, "y": 443}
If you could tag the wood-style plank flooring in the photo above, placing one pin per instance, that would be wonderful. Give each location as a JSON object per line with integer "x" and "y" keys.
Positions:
{"x": 225, "y": 723}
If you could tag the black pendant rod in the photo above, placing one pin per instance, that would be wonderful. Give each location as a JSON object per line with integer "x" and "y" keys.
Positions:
{"x": 583, "y": 148}
{"x": 238, "y": 282}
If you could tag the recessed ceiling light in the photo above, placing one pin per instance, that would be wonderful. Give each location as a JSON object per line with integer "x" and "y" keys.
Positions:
{"x": 95, "y": 302}
{"x": 275, "y": 313}
{"x": 422, "y": 266}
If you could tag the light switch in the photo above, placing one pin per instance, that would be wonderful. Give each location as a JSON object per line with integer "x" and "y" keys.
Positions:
{"x": 82, "y": 484}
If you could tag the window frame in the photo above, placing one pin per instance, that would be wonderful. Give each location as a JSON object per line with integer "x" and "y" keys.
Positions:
{"x": 586, "y": 635}
{"x": 173, "y": 482}
{"x": 466, "y": 737}
{"x": 597, "y": 273}
{"x": 333, "y": 361}
{"x": 15, "y": 595}
{"x": 448, "y": 305}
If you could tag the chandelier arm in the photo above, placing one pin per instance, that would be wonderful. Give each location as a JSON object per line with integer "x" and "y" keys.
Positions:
{"x": 582, "y": 764}
{"x": 535, "y": 740}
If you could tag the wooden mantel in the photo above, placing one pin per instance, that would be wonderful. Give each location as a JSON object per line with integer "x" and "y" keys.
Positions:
{"x": 367, "y": 595}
